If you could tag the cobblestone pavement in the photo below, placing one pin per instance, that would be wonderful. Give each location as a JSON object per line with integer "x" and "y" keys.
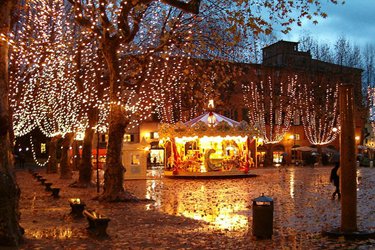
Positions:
{"x": 198, "y": 214}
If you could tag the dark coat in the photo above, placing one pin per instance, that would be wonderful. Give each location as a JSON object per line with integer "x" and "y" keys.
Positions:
{"x": 334, "y": 177}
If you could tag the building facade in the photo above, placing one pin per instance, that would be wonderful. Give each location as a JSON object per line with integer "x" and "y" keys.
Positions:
{"x": 281, "y": 61}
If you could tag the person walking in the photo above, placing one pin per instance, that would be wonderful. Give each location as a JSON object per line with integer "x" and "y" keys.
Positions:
{"x": 335, "y": 179}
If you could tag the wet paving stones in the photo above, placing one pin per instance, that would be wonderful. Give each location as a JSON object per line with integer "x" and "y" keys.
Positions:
{"x": 198, "y": 214}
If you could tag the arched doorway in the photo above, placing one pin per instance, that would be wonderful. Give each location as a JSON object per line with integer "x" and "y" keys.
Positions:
{"x": 278, "y": 152}
{"x": 294, "y": 155}
{"x": 261, "y": 152}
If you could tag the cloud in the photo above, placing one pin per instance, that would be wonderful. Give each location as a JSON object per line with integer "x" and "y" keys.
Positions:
{"x": 354, "y": 20}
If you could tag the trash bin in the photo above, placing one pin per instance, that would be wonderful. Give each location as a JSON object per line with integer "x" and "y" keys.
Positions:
{"x": 263, "y": 217}
{"x": 371, "y": 164}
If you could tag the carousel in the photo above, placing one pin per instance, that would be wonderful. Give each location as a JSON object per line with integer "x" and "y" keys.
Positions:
{"x": 210, "y": 145}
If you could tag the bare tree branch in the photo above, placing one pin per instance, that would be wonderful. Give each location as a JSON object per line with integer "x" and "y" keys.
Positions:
{"x": 191, "y": 7}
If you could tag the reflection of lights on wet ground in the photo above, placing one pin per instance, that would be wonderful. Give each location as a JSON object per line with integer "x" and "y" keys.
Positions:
{"x": 55, "y": 233}
{"x": 291, "y": 183}
{"x": 358, "y": 178}
{"x": 151, "y": 193}
{"x": 222, "y": 217}
{"x": 218, "y": 207}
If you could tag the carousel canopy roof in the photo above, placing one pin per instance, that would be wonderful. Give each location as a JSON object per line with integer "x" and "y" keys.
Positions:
{"x": 208, "y": 124}
{"x": 211, "y": 118}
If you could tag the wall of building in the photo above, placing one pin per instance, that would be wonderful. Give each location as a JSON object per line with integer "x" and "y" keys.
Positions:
{"x": 281, "y": 60}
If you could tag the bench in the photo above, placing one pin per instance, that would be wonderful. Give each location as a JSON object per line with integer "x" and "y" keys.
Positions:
{"x": 42, "y": 180}
{"x": 55, "y": 192}
{"x": 97, "y": 223}
{"x": 48, "y": 186}
{"x": 77, "y": 207}
{"x": 39, "y": 177}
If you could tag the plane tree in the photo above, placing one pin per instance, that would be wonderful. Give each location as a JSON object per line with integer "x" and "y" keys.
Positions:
{"x": 270, "y": 100}
{"x": 43, "y": 89}
{"x": 121, "y": 26}
{"x": 10, "y": 229}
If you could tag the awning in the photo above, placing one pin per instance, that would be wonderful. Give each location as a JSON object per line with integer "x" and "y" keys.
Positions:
{"x": 305, "y": 149}
{"x": 325, "y": 150}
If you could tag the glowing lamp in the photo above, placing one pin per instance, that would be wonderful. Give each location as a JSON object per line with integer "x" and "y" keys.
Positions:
{"x": 211, "y": 120}
{"x": 211, "y": 104}
{"x": 79, "y": 136}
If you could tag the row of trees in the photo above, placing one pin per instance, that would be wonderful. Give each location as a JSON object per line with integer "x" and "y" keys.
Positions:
{"x": 344, "y": 53}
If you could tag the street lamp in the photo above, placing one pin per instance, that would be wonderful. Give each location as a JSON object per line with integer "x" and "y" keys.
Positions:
{"x": 97, "y": 161}
{"x": 98, "y": 128}
{"x": 293, "y": 152}
{"x": 79, "y": 136}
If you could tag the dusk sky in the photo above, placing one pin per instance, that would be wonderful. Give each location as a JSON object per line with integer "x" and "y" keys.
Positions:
{"x": 354, "y": 20}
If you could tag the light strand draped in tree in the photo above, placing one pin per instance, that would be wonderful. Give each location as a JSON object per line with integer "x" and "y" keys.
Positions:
{"x": 43, "y": 90}
{"x": 270, "y": 105}
{"x": 318, "y": 105}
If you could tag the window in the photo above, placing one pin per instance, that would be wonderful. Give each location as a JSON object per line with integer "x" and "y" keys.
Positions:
{"x": 135, "y": 159}
{"x": 297, "y": 137}
{"x": 297, "y": 118}
{"x": 154, "y": 135}
{"x": 128, "y": 138}
{"x": 42, "y": 148}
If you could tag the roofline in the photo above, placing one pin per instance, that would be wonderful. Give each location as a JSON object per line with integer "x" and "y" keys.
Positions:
{"x": 271, "y": 45}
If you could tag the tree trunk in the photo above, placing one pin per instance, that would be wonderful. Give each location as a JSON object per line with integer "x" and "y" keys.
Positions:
{"x": 113, "y": 189}
{"x": 85, "y": 167}
{"x": 10, "y": 230}
{"x": 52, "y": 153}
{"x": 268, "y": 158}
{"x": 65, "y": 165}
{"x": 76, "y": 155}
{"x": 319, "y": 155}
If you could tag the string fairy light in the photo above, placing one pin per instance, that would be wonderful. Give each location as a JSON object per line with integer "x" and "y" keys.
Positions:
{"x": 34, "y": 154}
{"x": 319, "y": 108}
{"x": 43, "y": 92}
{"x": 271, "y": 114}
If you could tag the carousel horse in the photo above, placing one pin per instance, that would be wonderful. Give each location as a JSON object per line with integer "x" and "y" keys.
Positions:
{"x": 207, "y": 162}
